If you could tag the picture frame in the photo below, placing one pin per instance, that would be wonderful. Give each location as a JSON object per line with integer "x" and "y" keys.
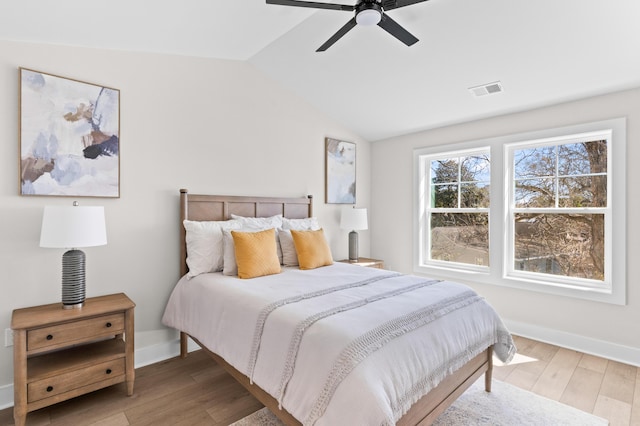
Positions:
{"x": 340, "y": 172}
{"x": 69, "y": 137}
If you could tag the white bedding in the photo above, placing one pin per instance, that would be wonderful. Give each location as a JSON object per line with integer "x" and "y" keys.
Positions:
{"x": 340, "y": 344}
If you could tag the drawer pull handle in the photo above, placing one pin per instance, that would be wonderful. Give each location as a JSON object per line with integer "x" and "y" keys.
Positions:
{"x": 108, "y": 324}
{"x": 49, "y": 337}
{"x": 49, "y": 388}
{"x": 108, "y": 371}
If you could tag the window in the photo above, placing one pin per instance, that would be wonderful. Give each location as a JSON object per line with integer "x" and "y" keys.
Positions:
{"x": 543, "y": 211}
{"x": 457, "y": 210}
{"x": 558, "y": 210}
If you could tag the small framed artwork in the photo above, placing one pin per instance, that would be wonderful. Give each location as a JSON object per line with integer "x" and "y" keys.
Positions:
{"x": 69, "y": 137}
{"x": 340, "y": 177}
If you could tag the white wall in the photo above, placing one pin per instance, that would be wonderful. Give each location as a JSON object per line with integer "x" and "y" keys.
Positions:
{"x": 210, "y": 126}
{"x": 593, "y": 327}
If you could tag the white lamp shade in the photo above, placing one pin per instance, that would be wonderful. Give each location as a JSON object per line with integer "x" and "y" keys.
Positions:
{"x": 73, "y": 227}
{"x": 354, "y": 219}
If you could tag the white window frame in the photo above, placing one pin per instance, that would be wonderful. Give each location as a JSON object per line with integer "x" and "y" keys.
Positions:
{"x": 425, "y": 237}
{"x": 500, "y": 272}
{"x": 545, "y": 279}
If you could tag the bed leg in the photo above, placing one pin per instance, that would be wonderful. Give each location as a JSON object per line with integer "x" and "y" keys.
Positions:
{"x": 489, "y": 372}
{"x": 183, "y": 345}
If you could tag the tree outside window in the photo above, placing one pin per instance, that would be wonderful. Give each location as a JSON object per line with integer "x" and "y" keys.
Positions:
{"x": 459, "y": 208}
{"x": 559, "y": 208}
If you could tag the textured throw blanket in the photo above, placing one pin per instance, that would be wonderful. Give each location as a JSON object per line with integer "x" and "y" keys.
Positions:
{"x": 340, "y": 344}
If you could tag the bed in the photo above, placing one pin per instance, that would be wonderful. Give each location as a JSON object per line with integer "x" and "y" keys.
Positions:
{"x": 316, "y": 346}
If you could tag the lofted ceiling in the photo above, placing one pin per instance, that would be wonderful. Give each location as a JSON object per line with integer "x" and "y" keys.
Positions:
{"x": 543, "y": 52}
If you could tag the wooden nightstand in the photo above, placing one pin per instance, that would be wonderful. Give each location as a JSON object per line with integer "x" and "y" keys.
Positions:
{"x": 365, "y": 261}
{"x": 60, "y": 354}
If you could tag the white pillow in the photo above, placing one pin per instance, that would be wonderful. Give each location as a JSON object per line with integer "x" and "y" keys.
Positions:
{"x": 307, "y": 224}
{"x": 259, "y": 223}
{"x": 204, "y": 245}
{"x": 230, "y": 265}
{"x": 289, "y": 255}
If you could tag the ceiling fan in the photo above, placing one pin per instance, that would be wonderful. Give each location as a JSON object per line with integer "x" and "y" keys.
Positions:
{"x": 367, "y": 12}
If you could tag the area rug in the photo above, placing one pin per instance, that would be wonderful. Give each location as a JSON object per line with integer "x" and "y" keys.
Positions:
{"x": 505, "y": 405}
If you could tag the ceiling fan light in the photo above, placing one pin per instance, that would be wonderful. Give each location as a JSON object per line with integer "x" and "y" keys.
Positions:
{"x": 368, "y": 17}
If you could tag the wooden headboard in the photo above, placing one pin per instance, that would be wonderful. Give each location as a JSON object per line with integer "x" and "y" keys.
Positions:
{"x": 220, "y": 207}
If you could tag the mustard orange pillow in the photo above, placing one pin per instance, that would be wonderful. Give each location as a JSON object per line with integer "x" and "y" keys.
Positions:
{"x": 256, "y": 253}
{"x": 312, "y": 249}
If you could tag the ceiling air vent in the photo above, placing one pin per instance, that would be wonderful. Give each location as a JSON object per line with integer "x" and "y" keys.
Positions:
{"x": 486, "y": 89}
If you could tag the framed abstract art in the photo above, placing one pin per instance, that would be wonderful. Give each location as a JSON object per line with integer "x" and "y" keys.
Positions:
{"x": 69, "y": 137}
{"x": 340, "y": 176}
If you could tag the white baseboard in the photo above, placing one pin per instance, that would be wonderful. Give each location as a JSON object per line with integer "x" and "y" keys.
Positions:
{"x": 613, "y": 351}
{"x": 161, "y": 352}
{"x": 6, "y": 396}
{"x": 143, "y": 356}
{"x": 625, "y": 354}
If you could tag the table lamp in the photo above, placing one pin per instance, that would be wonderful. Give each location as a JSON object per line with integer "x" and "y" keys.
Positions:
{"x": 72, "y": 228}
{"x": 355, "y": 220}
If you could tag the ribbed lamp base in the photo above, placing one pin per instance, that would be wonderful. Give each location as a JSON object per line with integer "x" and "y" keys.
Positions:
{"x": 353, "y": 245}
{"x": 73, "y": 279}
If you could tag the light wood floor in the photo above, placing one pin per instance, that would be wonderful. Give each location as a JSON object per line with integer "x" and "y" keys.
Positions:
{"x": 196, "y": 391}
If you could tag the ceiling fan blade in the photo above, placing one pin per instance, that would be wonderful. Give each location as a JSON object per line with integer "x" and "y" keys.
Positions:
{"x": 393, "y": 28}
{"x": 313, "y": 4}
{"x": 337, "y": 36}
{"x": 395, "y": 4}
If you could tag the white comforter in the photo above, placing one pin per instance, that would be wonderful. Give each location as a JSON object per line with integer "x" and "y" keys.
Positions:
{"x": 340, "y": 344}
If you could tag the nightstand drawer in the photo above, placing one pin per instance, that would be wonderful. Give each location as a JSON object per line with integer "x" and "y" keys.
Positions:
{"x": 79, "y": 331}
{"x": 62, "y": 383}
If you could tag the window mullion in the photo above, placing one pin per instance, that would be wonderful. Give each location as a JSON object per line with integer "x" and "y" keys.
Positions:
{"x": 459, "y": 181}
{"x": 556, "y": 179}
